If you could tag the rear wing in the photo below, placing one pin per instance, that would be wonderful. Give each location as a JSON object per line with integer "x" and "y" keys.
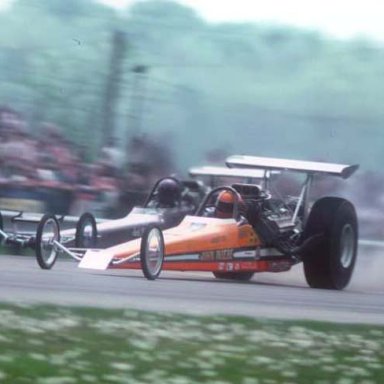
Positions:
{"x": 308, "y": 167}
{"x": 216, "y": 171}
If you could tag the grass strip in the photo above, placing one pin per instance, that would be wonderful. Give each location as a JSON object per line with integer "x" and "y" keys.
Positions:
{"x": 60, "y": 345}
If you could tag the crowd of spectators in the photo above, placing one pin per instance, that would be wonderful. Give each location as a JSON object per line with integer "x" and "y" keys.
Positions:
{"x": 47, "y": 160}
{"x": 43, "y": 162}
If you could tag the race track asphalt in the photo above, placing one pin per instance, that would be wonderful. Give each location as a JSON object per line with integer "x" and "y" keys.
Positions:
{"x": 279, "y": 296}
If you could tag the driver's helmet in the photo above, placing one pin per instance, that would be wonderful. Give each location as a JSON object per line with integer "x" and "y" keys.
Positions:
{"x": 168, "y": 193}
{"x": 224, "y": 205}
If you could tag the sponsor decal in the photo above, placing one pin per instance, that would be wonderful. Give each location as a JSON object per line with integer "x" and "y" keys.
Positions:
{"x": 208, "y": 256}
{"x": 267, "y": 252}
{"x": 224, "y": 254}
{"x": 229, "y": 267}
{"x": 248, "y": 253}
{"x": 221, "y": 254}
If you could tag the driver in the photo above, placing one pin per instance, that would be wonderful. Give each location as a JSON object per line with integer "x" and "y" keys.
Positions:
{"x": 225, "y": 204}
{"x": 168, "y": 193}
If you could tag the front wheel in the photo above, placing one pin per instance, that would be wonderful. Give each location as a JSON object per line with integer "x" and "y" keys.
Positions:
{"x": 48, "y": 231}
{"x": 330, "y": 264}
{"x": 239, "y": 276}
{"x": 152, "y": 252}
{"x": 86, "y": 231}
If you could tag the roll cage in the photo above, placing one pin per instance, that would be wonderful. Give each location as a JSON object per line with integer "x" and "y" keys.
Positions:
{"x": 210, "y": 198}
{"x": 191, "y": 192}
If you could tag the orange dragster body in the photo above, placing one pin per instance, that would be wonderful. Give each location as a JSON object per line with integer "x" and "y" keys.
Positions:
{"x": 207, "y": 244}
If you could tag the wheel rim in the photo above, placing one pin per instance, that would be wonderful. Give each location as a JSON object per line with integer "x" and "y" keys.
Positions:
{"x": 154, "y": 252}
{"x": 50, "y": 234}
{"x": 347, "y": 245}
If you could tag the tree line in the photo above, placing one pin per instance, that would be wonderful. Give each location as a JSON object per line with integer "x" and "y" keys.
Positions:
{"x": 206, "y": 90}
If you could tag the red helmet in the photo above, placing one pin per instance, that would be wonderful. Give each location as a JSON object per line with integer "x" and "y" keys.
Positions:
{"x": 224, "y": 204}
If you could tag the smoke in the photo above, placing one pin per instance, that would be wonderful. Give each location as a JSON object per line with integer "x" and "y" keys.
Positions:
{"x": 369, "y": 268}
{"x": 367, "y": 276}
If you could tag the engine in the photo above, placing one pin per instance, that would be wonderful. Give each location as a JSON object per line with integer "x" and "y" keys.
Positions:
{"x": 272, "y": 221}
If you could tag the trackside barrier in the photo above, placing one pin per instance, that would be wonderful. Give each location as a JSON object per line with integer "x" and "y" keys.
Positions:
{"x": 371, "y": 243}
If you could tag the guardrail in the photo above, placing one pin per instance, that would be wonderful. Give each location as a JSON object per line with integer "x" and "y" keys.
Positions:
{"x": 371, "y": 243}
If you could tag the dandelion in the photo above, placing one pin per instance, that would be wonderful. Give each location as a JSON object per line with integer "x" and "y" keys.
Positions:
{"x": 289, "y": 374}
{"x": 122, "y": 366}
{"x": 87, "y": 378}
{"x": 57, "y": 380}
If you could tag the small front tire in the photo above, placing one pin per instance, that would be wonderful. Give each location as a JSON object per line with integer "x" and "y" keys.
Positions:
{"x": 48, "y": 231}
{"x": 86, "y": 231}
{"x": 152, "y": 252}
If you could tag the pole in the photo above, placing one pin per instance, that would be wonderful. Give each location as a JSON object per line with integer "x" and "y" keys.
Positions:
{"x": 138, "y": 97}
{"x": 113, "y": 83}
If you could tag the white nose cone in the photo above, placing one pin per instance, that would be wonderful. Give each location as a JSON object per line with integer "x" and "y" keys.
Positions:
{"x": 96, "y": 259}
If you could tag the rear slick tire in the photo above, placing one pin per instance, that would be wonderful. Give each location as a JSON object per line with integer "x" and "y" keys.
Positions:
{"x": 330, "y": 264}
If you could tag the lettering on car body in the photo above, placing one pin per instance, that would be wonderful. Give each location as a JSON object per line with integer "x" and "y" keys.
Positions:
{"x": 224, "y": 254}
{"x": 208, "y": 256}
{"x": 230, "y": 267}
{"x": 221, "y": 254}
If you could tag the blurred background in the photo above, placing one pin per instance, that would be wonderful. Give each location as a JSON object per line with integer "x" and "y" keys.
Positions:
{"x": 99, "y": 99}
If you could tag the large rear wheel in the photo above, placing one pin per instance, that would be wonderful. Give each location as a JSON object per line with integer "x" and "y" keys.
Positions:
{"x": 86, "y": 231}
{"x": 330, "y": 264}
{"x": 152, "y": 252}
{"x": 48, "y": 231}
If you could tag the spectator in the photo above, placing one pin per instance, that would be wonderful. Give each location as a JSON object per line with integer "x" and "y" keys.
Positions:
{"x": 19, "y": 153}
{"x": 9, "y": 118}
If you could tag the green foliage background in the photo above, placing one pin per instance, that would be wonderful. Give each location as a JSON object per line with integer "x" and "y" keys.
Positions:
{"x": 238, "y": 88}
